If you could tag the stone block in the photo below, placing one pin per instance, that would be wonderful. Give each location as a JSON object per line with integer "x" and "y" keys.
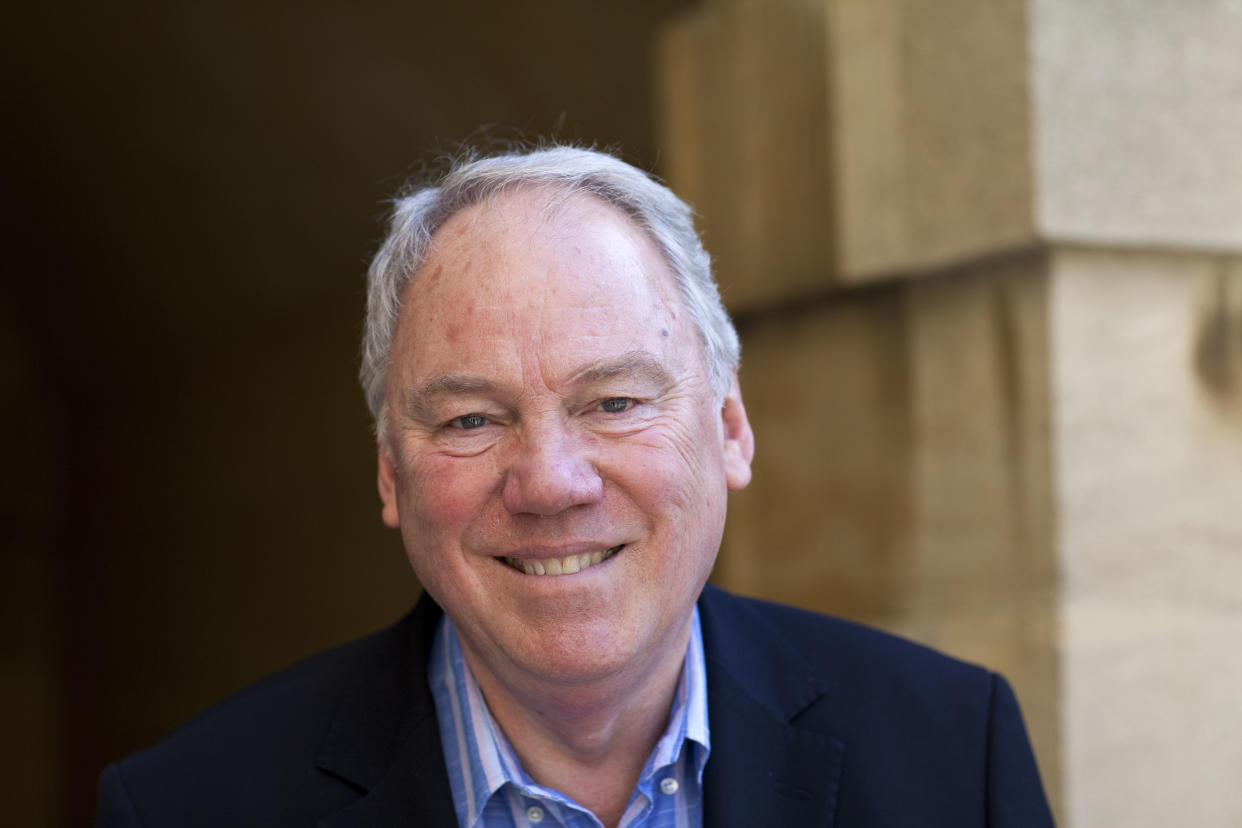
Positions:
{"x": 827, "y": 140}
{"x": 930, "y": 126}
{"x": 1148, "y": 479}
{"x": 981, "y": 519}
{"x": 838, "y": 141}
{"x": 1138, "y": 121}
{"x": 743, "y": 113}
{"x": 825, "y": 523}
{"x": 902, "y": 471}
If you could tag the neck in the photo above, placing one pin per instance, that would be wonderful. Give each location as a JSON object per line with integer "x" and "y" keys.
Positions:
{"x": 587, "y": 739}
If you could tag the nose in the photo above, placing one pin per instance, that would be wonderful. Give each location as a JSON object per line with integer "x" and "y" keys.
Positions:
{"x": 551, "y": 470}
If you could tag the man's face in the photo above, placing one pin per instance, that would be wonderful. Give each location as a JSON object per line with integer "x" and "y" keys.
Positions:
{"x": 551, "y": 412}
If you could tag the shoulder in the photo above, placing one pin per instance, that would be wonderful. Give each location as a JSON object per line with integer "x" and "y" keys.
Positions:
{"x": 264, "y": 739}
{"x": 918, "y": 729}
{"x": 304, "y": 692}
{"x": 859, "y": 684}
{"x": 831, "y": 647}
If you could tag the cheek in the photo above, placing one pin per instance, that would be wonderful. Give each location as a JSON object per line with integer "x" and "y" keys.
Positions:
{"x": 670, "y": 473}
{"x": 449, "y": 493}
{"x": 689, "y": 452}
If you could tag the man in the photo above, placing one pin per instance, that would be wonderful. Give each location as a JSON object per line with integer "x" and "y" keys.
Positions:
{"x": 554, "y": 383}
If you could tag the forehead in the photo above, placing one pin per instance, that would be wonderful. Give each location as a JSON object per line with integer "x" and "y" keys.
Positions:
{"x": 527, "y": 232}
{"x": 562, "y": 272}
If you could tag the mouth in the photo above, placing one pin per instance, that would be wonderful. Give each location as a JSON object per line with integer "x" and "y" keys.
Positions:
{"x": 568, "y": 565}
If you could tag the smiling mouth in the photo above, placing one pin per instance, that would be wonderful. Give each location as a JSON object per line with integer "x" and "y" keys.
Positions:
{"x": 567, "y": 565}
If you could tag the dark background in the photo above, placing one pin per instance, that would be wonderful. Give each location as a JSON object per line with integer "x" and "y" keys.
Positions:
{"x": 192, "y": 192}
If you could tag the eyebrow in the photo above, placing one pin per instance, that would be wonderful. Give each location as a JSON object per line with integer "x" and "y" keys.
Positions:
{"x": 639, "y": 364}
{"x": 420, "y": 402}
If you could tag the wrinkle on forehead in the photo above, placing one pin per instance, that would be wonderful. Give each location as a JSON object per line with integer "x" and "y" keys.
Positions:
{"x": 551, "y": 269}
{"x": 543, "y": 216}
{"x": 548, "y": 222}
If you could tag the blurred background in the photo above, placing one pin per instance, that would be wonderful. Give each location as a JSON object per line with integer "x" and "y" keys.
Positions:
{"x": 985, "y": 255}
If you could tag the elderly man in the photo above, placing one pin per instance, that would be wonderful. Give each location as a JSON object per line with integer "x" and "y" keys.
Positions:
{"x": 554, "y": 383}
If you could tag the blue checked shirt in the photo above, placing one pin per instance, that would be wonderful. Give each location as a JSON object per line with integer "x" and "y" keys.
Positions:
{"x": 491, "y": 789}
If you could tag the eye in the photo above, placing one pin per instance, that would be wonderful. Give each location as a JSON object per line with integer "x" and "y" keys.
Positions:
{"x": 468, "y": 422}
{"x": 615, "y": 405}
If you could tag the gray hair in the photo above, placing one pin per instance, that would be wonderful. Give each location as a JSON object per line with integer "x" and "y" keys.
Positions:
{"x": 421, "y": 211}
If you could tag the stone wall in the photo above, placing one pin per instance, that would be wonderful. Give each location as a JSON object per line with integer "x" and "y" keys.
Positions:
{"x": 985, "y": 259}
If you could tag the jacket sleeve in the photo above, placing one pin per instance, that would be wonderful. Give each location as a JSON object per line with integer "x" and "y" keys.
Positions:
{"x": 113, "y": 808}
{"x": 1015, "y": 795}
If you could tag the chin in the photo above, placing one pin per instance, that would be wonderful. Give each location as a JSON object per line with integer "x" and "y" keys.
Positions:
{"x": 574, "y": 657}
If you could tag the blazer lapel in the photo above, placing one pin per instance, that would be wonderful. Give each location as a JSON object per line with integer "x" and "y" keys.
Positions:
{"x": 764, "y": 768}
{"x": 415, "y": 791}
{"x": 385, "y": 738}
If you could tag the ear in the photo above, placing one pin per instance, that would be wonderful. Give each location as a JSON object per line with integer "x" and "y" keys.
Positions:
{"x": 739, "y": 440}
{"x": 387, "y": 483}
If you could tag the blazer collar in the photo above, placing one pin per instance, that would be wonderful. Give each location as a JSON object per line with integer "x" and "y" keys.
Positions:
{"x": 765, "y": 768}
{"x": 384, "y": 738}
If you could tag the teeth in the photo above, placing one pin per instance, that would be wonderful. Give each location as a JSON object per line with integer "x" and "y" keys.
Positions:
{"x": 567, "y": 565}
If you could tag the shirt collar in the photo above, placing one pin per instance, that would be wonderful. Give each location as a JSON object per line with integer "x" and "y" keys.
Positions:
{"x": 480, "y": 760}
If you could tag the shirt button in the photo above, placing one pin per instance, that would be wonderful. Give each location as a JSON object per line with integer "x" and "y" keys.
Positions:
{"x": 534, "y": 814}
{"x": 668, "y": 785}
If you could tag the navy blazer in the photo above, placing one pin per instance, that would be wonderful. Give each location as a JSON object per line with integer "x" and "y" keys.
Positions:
{"x": 814, "y": 722}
